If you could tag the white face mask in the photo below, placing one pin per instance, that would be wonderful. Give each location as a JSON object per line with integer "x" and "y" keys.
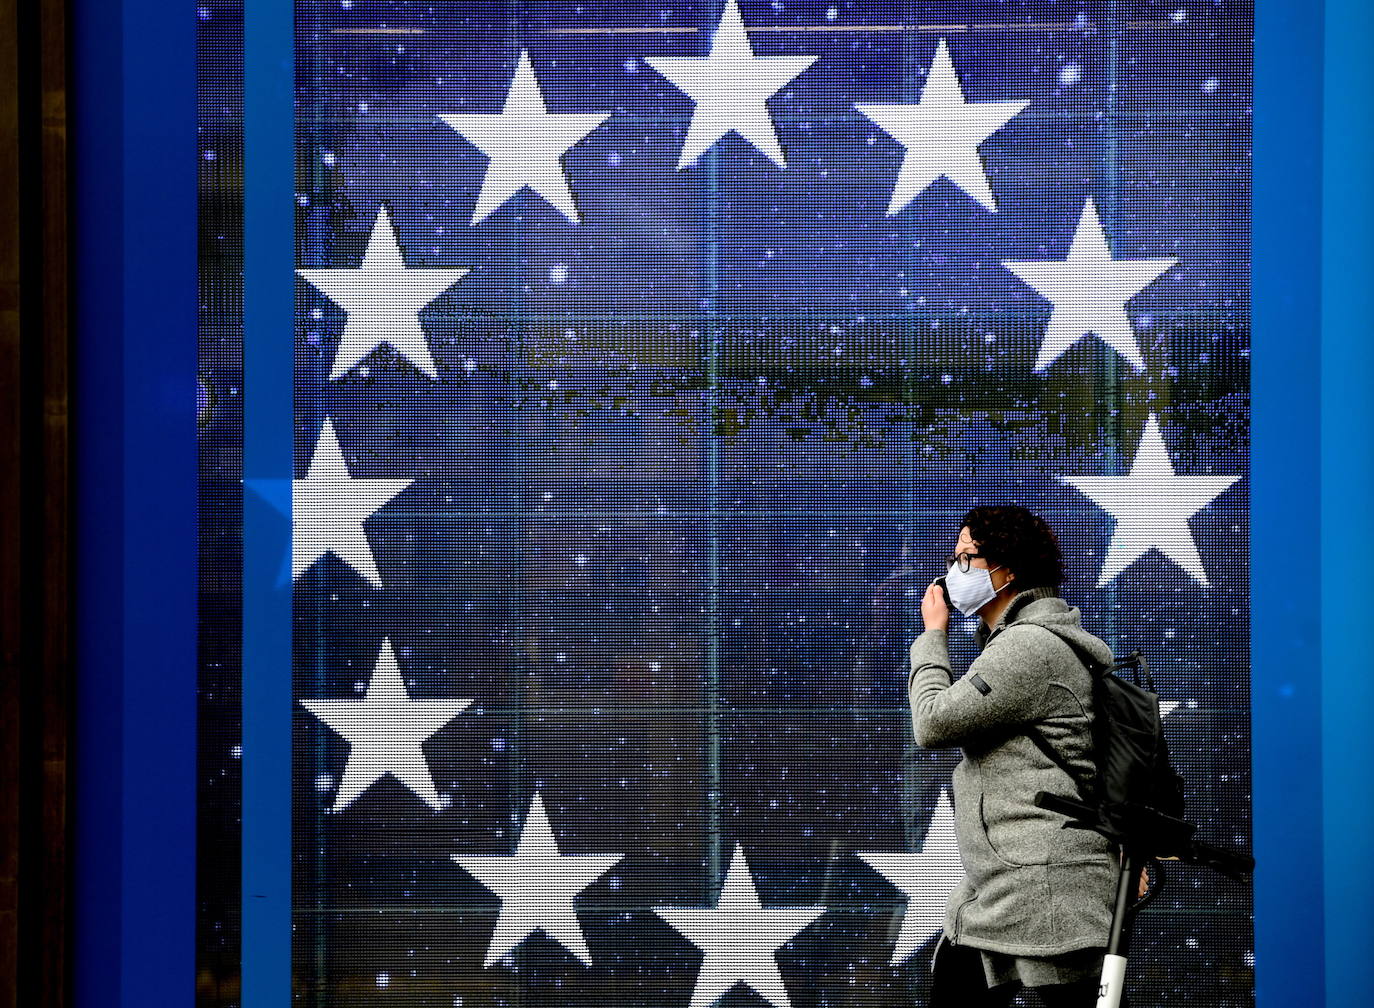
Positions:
{"x": 970, "y": 590}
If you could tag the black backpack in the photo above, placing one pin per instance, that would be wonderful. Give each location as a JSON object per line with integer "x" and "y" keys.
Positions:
{"x": 1136, "y": 796}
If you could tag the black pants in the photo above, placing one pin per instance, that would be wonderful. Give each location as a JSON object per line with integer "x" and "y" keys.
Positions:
{"x": 958, "y": 982}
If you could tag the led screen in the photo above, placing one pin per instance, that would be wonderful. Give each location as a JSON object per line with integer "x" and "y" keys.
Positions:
{"x": 647, "y": 357}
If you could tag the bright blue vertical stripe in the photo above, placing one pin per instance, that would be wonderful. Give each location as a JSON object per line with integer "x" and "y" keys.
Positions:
{"x": 134, "y": 200}
{"x": 268, "y": 337}
{"x": 1347, "y": 458}
{"x": 1286, "y": 643}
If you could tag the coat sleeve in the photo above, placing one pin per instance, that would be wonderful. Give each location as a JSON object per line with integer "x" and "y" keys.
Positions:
{"x": 1005, "y": 687}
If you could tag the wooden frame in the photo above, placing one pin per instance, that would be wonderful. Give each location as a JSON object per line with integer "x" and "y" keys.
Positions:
{"x": 35, "y": 518}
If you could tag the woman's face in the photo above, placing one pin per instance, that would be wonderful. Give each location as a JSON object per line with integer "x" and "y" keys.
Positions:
{"x": 999, "y": 575}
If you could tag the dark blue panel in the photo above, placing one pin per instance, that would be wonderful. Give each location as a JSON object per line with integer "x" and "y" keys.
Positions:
{"x": 135, "y": 200}
{"x": 97, "y": 205}
{"x": 160, "y": 502}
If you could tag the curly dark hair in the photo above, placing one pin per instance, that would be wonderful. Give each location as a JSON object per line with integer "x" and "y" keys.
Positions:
{"x": 1010, "y": 535}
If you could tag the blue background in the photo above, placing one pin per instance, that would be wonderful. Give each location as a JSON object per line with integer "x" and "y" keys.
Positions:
{"x": 134, "y": 899}
{"x": 706, "y": 645}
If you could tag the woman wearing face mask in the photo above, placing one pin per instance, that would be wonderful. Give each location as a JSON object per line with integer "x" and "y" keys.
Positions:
{"x": 1035, "y": 904}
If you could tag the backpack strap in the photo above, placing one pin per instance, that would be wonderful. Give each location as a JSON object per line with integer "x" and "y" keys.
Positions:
{"x": 1043, "y": 744}
{"x": 1095, "y": 669}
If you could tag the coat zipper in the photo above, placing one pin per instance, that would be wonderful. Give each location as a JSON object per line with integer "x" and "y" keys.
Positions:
{"x": 958, "y": 921}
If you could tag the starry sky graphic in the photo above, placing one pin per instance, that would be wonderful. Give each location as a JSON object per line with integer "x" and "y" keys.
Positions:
{"x": 685, "y": 463}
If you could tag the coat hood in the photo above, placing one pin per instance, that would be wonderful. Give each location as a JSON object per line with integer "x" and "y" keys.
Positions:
{"x": 1044, "y": 607}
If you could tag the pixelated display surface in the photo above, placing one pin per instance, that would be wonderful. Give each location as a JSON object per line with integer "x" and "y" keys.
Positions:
{"x": 647, "y": 357}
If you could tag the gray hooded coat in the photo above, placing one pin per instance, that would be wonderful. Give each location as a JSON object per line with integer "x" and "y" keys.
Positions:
{"x": 1030, "y": 888}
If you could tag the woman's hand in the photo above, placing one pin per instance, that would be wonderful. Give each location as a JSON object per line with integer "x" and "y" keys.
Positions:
{"x": 934, "y": 612}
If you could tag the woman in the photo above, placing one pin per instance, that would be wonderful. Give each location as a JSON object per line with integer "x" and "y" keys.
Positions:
{"x": 1035, "y": 904}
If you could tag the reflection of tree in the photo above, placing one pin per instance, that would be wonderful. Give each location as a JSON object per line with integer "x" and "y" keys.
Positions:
{"x": 894, "y": 621}
{"x": 879, "y": 707}
{"x": 611, "y": 620}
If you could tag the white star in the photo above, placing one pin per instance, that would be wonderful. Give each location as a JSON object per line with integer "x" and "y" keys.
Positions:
{"x": 536, "y": 885}
{"x": 1089, "y": 290}
{"x": 328, "y": 508}
{"x": 1151, "y": 507}
{"x": 927, "y": 879}
{"x": 729, "y": 88}
{"x": 383, "y": 300}
{"x": 525, "y": 144}
{"x": 739, "y": 937}
{"x": 941, "y": 135}
{"x": 384, "y": 731}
